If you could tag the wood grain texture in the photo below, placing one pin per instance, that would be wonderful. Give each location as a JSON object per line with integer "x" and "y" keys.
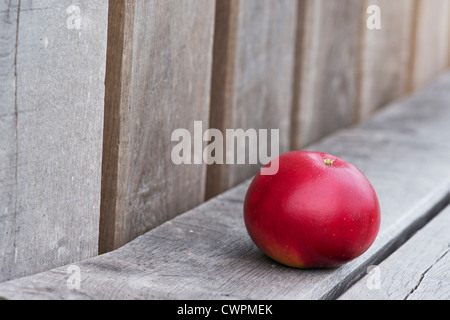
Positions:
{"x": 52, "y": 69}
{"x": 417, "y": 270}
{"x": 252, "y": 76}
{"x": 161, "y": 55}
{"x": 432, "y": 41}
{"x": 206, "y": 253}
{"x": 386, "y": 56}
{"x": 326, "y": 81}
{"x": 8, "y": 134}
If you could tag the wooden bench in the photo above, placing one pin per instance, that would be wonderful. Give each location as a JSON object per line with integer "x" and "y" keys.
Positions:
{"x": 206, "y": 253}
{"x": 417, "y": 270}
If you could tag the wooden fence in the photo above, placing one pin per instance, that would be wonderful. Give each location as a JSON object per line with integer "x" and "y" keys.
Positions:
{"x": 91, "y": 91}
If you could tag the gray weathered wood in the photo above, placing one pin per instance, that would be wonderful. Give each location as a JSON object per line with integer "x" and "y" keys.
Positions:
{"x": 160, "y": 55}
{"x": 417, "y": 270}
{"x": 386, "y": 56}
{"x": 252, "y": 85}
{"x": 326, "y": 77}
{"x": 206, "y": 252}
{"x": 52, "y": 72}
{"x": 431, "y": 47}
{"x": 8, "y": 147}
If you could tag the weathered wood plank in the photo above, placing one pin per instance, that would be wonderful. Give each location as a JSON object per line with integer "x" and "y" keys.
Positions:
{"x": 160, "y": 54}
{"x": 52, "y": 69}
{"x": 386, "y": 56}
{"x": 8, "y": 147}
{"x": 326, "y": 79}
{"x": 207, "y": 254}
{"x": 432, "y": 41}
{"x": 254, "y": 58}
{"x": 417, "y": 270}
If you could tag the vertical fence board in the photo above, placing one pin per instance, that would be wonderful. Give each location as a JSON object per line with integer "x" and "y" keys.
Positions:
{"x": 163, "y": 84}
{"x": 252, "y": 76}
{"x": 386, "y": 56}
{"x": 52, "y": 69}
{"x": 8, "y": 153}
{"x": 432, "y": 41}
{"x": 326, "y": 85}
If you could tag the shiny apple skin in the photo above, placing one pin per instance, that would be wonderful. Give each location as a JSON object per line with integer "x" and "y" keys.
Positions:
{"x": 310, "y": 214}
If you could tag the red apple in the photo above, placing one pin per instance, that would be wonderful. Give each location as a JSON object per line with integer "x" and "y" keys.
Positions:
{"x": 318, "y": 211}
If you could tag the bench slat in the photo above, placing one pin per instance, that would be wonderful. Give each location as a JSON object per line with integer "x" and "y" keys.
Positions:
{"x": 207, "y": 254}
{"x": 417, "y": 270}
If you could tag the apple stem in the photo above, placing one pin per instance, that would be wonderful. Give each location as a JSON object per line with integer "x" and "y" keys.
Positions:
{"x": 328, "y": 162}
